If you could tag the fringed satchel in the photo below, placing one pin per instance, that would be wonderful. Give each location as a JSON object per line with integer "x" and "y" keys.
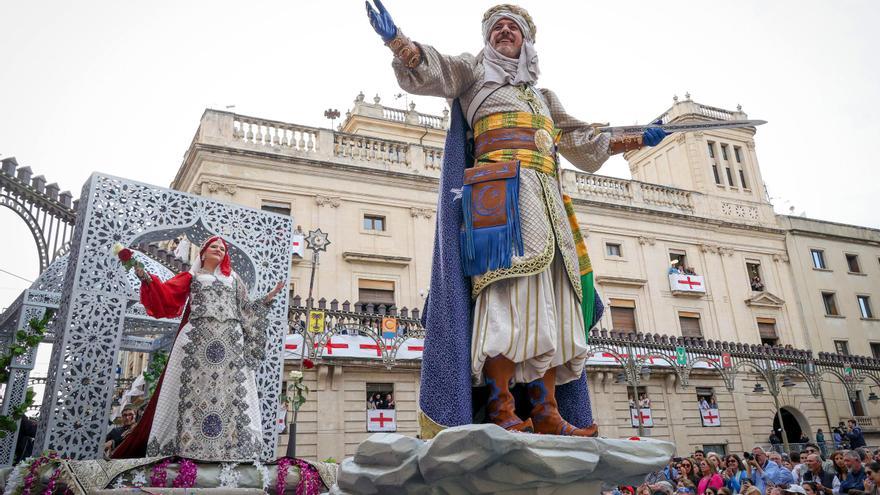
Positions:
{"x": 491, "y": 232}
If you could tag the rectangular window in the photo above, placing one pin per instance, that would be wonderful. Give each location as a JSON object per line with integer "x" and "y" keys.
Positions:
{"x": 715, "y": 173}
{"x": 711, "y": 149}
{"x": 767, "y": 331}
{"x": 375, "y": 292}
{"x": 730, "y": 177}
{"x": 623, "y": 315}
{"x": 613, "y": 249}
{"x": 690, "y": 324}
{"x": 274, "y": 207}
{"x": 865, "y": 306}
{"x": 841, "y": 347}
{"x": 852, "y": 261}
{"x": 374, "y": 222}
{"x": 755, "y": 281}
{"x": 724, "y": 151}
{"x": 737, "y": 153}
{"x": 381, "y": 408}
{"x": 742, "y": 179}
{"x": 830, "y": 304}
{"x": 818, "y": 258}
{"x": 875, "y": 350}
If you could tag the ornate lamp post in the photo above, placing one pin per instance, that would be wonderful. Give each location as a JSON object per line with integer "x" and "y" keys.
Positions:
{"x": 316, "y": 242}
{"x": 332, "y": 114}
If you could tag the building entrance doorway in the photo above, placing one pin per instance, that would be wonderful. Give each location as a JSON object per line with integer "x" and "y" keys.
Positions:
{"x": 794, "y": 422}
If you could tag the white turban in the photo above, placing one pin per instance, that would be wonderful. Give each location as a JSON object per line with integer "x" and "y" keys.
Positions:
{"x": 502, "y": 70}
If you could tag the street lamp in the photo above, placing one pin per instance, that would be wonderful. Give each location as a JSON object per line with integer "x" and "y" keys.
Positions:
{"x": 332, "y": 114}
{"x": 316, "y": 241}
{"x": 772, "y": 379}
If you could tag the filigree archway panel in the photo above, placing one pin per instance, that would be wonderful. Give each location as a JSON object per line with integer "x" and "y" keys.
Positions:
{"x": 97, "y": 293}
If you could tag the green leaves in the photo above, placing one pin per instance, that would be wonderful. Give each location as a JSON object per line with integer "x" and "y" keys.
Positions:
{"x": 24, "y": 341}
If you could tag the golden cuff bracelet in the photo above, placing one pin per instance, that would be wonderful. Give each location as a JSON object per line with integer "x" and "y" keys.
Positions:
{"x": 405, "y": 50}
{"x": 624, "y": 143}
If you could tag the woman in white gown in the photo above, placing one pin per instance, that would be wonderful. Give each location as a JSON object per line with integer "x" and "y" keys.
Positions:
{"x": 206, "y": 404}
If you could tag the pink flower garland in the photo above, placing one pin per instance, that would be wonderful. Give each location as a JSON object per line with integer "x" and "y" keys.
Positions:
{"x": 32, "y": 475}
{"x": 187, "y": 473}
{"x": 159, "y": 475}
{"x": 281, "y": 480}
{"x": 50, "y": 487}
{"x": 309, "y": 479}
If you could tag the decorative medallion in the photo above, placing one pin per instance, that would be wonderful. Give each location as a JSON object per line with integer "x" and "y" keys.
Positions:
{"x": 544, "y": 141}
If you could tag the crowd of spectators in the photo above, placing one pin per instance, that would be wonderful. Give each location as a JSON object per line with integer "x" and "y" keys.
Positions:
{"x": 380, "y": 401}
{"x": 680, "y": 268}
{"x": 850, "y": 469}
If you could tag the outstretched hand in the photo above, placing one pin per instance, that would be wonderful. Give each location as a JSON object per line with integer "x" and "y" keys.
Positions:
{"x": 381, "y": 21}
{"x": 654, "y": 135}
{"x": 274, "y": 292}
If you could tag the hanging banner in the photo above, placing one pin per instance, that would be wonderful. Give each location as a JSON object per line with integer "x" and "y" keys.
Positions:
{"x": 647, "y": 417}
{"x": 298, "y": 244}
{"x": 710, "y": 417}
{"x": 726, "y": 360}
{"x": 316, "y": 321}
{"x": 381, "y": 420}
{"x": 681, "y": 356}
{"x": 389, "y": 327}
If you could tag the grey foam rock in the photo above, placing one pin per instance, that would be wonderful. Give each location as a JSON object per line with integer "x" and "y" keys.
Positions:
{"x": 488, "y": 459}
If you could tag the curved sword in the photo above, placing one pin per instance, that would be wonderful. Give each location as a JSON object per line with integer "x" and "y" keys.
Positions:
{"x": 682, "y": 127}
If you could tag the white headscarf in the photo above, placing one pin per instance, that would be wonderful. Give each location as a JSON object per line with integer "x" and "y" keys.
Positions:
{"x": 502, "y": 70}
{"x": 196, "y": 265}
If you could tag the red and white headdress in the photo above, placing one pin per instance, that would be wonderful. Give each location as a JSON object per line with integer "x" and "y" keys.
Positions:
{"x": 225, "y": 265}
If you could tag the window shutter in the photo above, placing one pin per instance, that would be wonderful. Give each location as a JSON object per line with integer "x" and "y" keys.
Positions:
{"x": 690, "y": 326}
{"x": 623, "y": 319}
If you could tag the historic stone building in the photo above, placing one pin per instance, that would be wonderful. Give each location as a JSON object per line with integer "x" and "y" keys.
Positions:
{"x": 696, "y": 201}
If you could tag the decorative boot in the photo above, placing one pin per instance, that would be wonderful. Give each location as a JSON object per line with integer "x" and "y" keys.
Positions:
{"x": 499, "y": 372}
{"x": 545, "y": 412}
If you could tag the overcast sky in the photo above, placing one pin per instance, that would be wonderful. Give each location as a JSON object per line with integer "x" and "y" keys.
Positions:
{"x": 119, "y": 87}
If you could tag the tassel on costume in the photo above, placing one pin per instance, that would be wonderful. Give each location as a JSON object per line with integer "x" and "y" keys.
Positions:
{"x": 491, "y": 232}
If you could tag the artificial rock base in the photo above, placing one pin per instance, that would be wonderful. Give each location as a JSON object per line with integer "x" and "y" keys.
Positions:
{"x": 488, "y": 459}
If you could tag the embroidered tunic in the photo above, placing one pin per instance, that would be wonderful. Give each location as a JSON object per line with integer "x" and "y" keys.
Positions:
{"x": 208, "y": 408}
{"x": 529, "y": 312}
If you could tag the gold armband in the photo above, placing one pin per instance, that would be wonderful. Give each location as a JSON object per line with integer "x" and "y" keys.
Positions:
{"x": 405, "y": 50}
{"x": 624, "y": 143}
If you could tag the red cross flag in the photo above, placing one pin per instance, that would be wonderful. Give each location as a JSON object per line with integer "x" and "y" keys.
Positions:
{"x": 647, "y": 417}
{"x": 710, "y": 417}
{"x": 381, "y": 420}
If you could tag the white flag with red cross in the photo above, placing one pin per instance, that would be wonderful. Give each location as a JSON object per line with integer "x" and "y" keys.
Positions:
{"x": 647, "y": 417}
{"x": 381, "y": 420}
{"x": 710, "y": 417}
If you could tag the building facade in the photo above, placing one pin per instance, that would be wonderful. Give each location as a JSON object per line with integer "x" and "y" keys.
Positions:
{"x": 689, "y": 248}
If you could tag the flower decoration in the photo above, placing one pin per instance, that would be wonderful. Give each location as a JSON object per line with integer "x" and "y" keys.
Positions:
{"x": 300, "y": 390}
{"x": 126, "y": 257}
{"x": 308, "y": 364}
{"x": 187, "y": 473}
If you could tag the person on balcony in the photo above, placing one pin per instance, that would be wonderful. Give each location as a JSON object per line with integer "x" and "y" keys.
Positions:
{"x": 854, "y": 434}
{"x": 530, "y": 278}
{"x": 206, "y": 404}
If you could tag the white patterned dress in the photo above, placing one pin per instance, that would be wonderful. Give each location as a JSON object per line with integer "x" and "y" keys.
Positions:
{"x": 208, "y": 407}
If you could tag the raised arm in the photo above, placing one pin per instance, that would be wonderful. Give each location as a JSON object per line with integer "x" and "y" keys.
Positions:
{"x": 421, "y": 69}
{"x": 164, "y": 299}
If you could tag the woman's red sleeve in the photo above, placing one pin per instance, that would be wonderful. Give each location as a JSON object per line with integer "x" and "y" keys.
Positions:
{"x": 166, "y": 299}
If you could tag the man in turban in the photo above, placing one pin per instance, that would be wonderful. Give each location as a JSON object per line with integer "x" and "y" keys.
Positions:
{"x": 532, "y": 296}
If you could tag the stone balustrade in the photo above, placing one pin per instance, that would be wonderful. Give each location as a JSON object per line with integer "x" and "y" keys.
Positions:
{"x": 275, "y": 134}
{"x": 369, "y": 149}
{"x": 285, "y": 139}
{"x": 630, "y": 192}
